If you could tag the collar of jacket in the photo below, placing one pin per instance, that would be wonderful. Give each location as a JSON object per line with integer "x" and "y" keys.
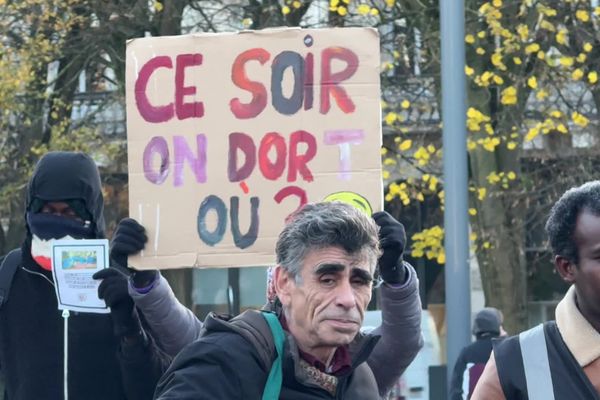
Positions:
{"x": 579, "y": 335}
{"x": 360, "y": 349}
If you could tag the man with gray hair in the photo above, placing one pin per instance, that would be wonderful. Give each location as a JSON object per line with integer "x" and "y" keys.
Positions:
{"x": 326, "y": 260}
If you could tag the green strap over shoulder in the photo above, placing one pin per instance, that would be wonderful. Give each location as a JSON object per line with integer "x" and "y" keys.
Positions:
{"x": 273, "y": 386}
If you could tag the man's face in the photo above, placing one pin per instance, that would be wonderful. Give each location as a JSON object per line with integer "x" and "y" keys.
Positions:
{"x": 586, "y": 275}
{"x": 60, "y": 208}
{"x": 325, "y": 309}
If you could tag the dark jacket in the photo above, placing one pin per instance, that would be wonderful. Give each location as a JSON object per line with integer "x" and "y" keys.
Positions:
{"x": 568, "y": 380}
{"x": 472, "y": 359}
{"x": 31, "y": 326}
{"x": 225, "y": 364}
{"x": 469, "y": 366}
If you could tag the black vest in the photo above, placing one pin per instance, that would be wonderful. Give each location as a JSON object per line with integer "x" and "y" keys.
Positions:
{"x": 567, "y": 381}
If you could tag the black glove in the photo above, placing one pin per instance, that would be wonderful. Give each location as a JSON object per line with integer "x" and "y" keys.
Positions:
{"x": 392, "y": 239}
{"x": 130, "y": 238}
{"x": 113, "y": 289}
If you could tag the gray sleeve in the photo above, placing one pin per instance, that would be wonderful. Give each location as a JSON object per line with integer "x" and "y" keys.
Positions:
{"x": 400, "y": 330}
{"x": 172, "y": 325}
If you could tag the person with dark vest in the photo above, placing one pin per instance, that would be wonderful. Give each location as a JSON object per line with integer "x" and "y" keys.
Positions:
{"x": 472, "y": 359}
{"x": 558, "y": 360}
{"x": 326, "y": 259}
{"x": 108, "y": 356}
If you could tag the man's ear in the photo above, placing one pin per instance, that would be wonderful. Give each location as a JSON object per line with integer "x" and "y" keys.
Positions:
{"x": 283, "y": 282}
{"x": 565, "y": 268}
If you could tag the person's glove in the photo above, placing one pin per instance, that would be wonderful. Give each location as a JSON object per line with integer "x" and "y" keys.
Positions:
{"x": 113, "y": 290}
{"x": 392, "y": 239}
{"x": 130, "y": 238}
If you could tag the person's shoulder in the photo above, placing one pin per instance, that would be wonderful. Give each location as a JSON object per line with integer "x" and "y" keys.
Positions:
{"x": 219, "y": 365}
{"x": 225, "y": 345}
{"x": 12, "y": 257}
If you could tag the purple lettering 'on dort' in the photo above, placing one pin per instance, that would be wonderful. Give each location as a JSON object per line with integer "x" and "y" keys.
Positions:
{"x": 156, "y": 146}
{"x": 197, "y": 161}
{"x": 343, "y": 138}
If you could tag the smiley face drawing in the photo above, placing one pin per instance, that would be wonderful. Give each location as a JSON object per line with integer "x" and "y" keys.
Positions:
{"x": 354, "y": 199}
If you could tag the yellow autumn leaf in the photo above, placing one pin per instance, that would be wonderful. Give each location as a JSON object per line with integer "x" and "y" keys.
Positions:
{"x": 532, "y": 133}
{"x": 285, "y": 10}
{"x": 296, "y": 4}
{"x": 469, "y": 71}
{"x": 517, "y": 60}
{"x": 579, "y": 119}
{"x": 532, "y": 82}
{"x": 470, "y": 39}
{"x": 511, "y": 176}
{"x": 541, "y": 94}
{"x": 582, "y": 15}
{"x": 374, "y": 12}
{"x": 509, "y": 96}
{"x": 561, "y": 37}
{"x": 577, "y": 74}
{"x": 158, "y": 6}
{"x": 532, "y": 48}
{"x": 523, "y": 32}
{"x": 566, "y": 61}
{"x": 481, "y": 193}
{"x": 363, "y": 9}
{"x": 342, "y": 10}
{"x": 480, "y": 51}
{"x": 547, "y": 26}
{"x": 390, "y": 118}
{"x": 405, "y": 104}
{"x": 405, "y": 145}
{"x": 441, "y": 258}
{"x": 587, "y": 47}
{"x": 581, "y": 57}
{"x": 593, "y": 77}
{"x": 472, "y": 211}
{"x": 562, "y": 128}
{"x": 511, "y": 145}
{"x": 556, "y": 114}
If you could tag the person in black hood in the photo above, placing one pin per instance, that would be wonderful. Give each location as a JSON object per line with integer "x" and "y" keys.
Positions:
{"x": 105, "y": 361}
{"x": 472, "y": 359}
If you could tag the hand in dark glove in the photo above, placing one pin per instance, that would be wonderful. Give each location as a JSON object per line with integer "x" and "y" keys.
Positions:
{"x": 113, "y": 290}
{"x": 130, "y": 238}
{"x": 392, "y": 239}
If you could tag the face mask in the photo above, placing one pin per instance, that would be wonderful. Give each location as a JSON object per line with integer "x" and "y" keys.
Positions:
{"x": 46, "y": 228}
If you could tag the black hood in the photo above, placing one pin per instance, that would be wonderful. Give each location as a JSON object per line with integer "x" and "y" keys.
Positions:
{"x": 487, "y": 323}
{"x": 61, "y": 176}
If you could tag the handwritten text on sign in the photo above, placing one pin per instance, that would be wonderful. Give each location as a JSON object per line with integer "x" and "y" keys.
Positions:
{"x": 228, "y": 134}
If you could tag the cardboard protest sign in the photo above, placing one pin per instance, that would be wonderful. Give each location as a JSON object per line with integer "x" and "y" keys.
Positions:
{"x": 230, "y": 133}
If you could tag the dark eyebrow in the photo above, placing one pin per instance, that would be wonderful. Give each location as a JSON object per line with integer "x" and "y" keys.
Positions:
{"x": 329, "y": 268}
{"x": 362, "y": 274}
